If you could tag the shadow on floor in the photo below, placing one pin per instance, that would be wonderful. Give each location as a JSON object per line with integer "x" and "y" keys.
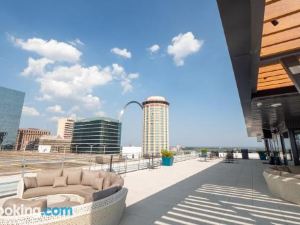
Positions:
{"x": 221, "y": 194}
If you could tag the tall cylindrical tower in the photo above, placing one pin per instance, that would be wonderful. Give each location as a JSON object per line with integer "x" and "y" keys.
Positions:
{"x": 156, "y": 125}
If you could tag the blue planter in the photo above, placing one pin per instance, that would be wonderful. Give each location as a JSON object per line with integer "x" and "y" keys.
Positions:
{"x": 262, "y": 155}
{"x": 167, "y": 161}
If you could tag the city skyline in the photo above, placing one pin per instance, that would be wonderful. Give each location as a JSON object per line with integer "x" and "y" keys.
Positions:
{"x": 108, "y": 59}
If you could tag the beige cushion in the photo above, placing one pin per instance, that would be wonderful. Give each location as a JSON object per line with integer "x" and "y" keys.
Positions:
{"x": 60, "y": 182}
{"x": 88, "y": 177}
{"x": 83, "y": 191}
{"x": 30, "y": 182}
{"x": 74, "y": 176}
{"x": 112, "y": 180}
{"x": 46, "y": 177}
{"x": 117, "y": 181}
{"x": 12, "y": 203}
{"x": 98, "y": 183}
{"x": 102, "y": 173}
{"x": 106, "y": 182}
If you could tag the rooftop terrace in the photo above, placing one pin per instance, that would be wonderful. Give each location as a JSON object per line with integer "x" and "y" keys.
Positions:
{"x": 197, "y": 192}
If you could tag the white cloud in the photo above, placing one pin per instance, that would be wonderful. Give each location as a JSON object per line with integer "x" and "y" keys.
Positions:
{"x": 154, "y": 48}
{"x": 133, "y": 76}
{"x": 72, "y": 85}
{"x": 100, "y": 114}
{"x": 182, "y": 46}
{"x": 121, "y": 52}
{"x": 125, "y": 79}
{"x": 127, "y": 86}
{"x": 75, "y": 83}
{"x": 126, "y": 83}
{"x": 36, "y": 66}
{"x": 117, "y": 69}
{"x": 55, "y": 109}
{"x": 51, "y": 49}
{"x": 76, "y": 42}
{"x": 29, "y": 111}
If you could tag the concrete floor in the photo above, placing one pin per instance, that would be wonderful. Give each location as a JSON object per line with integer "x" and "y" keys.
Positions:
{"x": 194, "y": 192}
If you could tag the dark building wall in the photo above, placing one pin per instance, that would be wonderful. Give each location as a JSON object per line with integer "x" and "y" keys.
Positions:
{"x": 11, "y": 104}
{"x": 97, "y": 135}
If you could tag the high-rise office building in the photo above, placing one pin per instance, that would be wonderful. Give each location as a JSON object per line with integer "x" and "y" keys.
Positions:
{"x": 156, "y": 125}
{"x": 98, "y": 135}
{"x": 29, "y": 138}
{"x": 11, "y": 104}
{"x": 65, "y": 128}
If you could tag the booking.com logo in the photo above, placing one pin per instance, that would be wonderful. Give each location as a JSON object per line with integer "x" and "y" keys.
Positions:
{"x": 58, "y": 211}
{"x": 23, "y": 210}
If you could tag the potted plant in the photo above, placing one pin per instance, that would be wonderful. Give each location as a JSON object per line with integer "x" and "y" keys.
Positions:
{"x": 204, "y": 152}
{"x": 167, "y": 157}
{"x": 262, "y": 155}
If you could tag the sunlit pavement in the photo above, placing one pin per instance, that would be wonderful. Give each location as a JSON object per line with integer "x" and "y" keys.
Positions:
{"x": 194, "y": 192}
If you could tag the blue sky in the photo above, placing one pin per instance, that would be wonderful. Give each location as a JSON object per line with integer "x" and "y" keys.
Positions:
{"x": 87, "y": 58}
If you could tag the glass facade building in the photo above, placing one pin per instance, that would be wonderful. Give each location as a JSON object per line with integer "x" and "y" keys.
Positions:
{"x": 11, "y": 104}
{"x": 97, "y": 135}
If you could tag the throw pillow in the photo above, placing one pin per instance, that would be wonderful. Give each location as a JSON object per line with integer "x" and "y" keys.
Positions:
{"x": 98, "y": 183}
{"x": 60, "y": 182}
{"x": 30, "y": 182}
{"x": 74, "y": 176}
{"x": 46, "y": 177}
{"x": 88, "y": 177}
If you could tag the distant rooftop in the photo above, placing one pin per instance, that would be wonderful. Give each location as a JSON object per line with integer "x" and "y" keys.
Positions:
{"x": 99, "y": 118}
{"x": 12, "y": 90}
{"x": 156, "y": 98}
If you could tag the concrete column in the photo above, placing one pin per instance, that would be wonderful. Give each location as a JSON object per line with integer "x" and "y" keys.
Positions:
{"x": 283, "y": 149}
{"x": 294, "y": 148}
{"x": 267, "y": 147}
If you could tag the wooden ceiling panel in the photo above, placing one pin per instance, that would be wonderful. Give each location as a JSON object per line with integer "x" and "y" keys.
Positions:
{"x": 275, "y": 81}
{"x": 269, "y": 68}
{"x": 281, "y": 8}
{"x": 272, "y": 73}
{"x": 281, "y": 28}
{"x": 281, "y": 37}
{"x": 274, "y": 86}
{"x": 280, "y": 48}
{"x": 284, "y": 23}
{"x": 272, "y": 76}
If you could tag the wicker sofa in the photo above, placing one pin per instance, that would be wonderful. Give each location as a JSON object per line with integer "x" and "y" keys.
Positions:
{"x": 99, "y": 197}
{"x": 284, "y": 182}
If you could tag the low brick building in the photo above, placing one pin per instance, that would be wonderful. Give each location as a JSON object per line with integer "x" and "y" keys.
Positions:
{"x": 29, "y": 138}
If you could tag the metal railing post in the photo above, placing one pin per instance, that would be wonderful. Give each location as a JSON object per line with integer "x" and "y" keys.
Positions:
{"x": 23, "y": 162}
{"x": 152, "y": 161}
{"x": 110, "y": 163}
{"x": 91, "y": 157}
